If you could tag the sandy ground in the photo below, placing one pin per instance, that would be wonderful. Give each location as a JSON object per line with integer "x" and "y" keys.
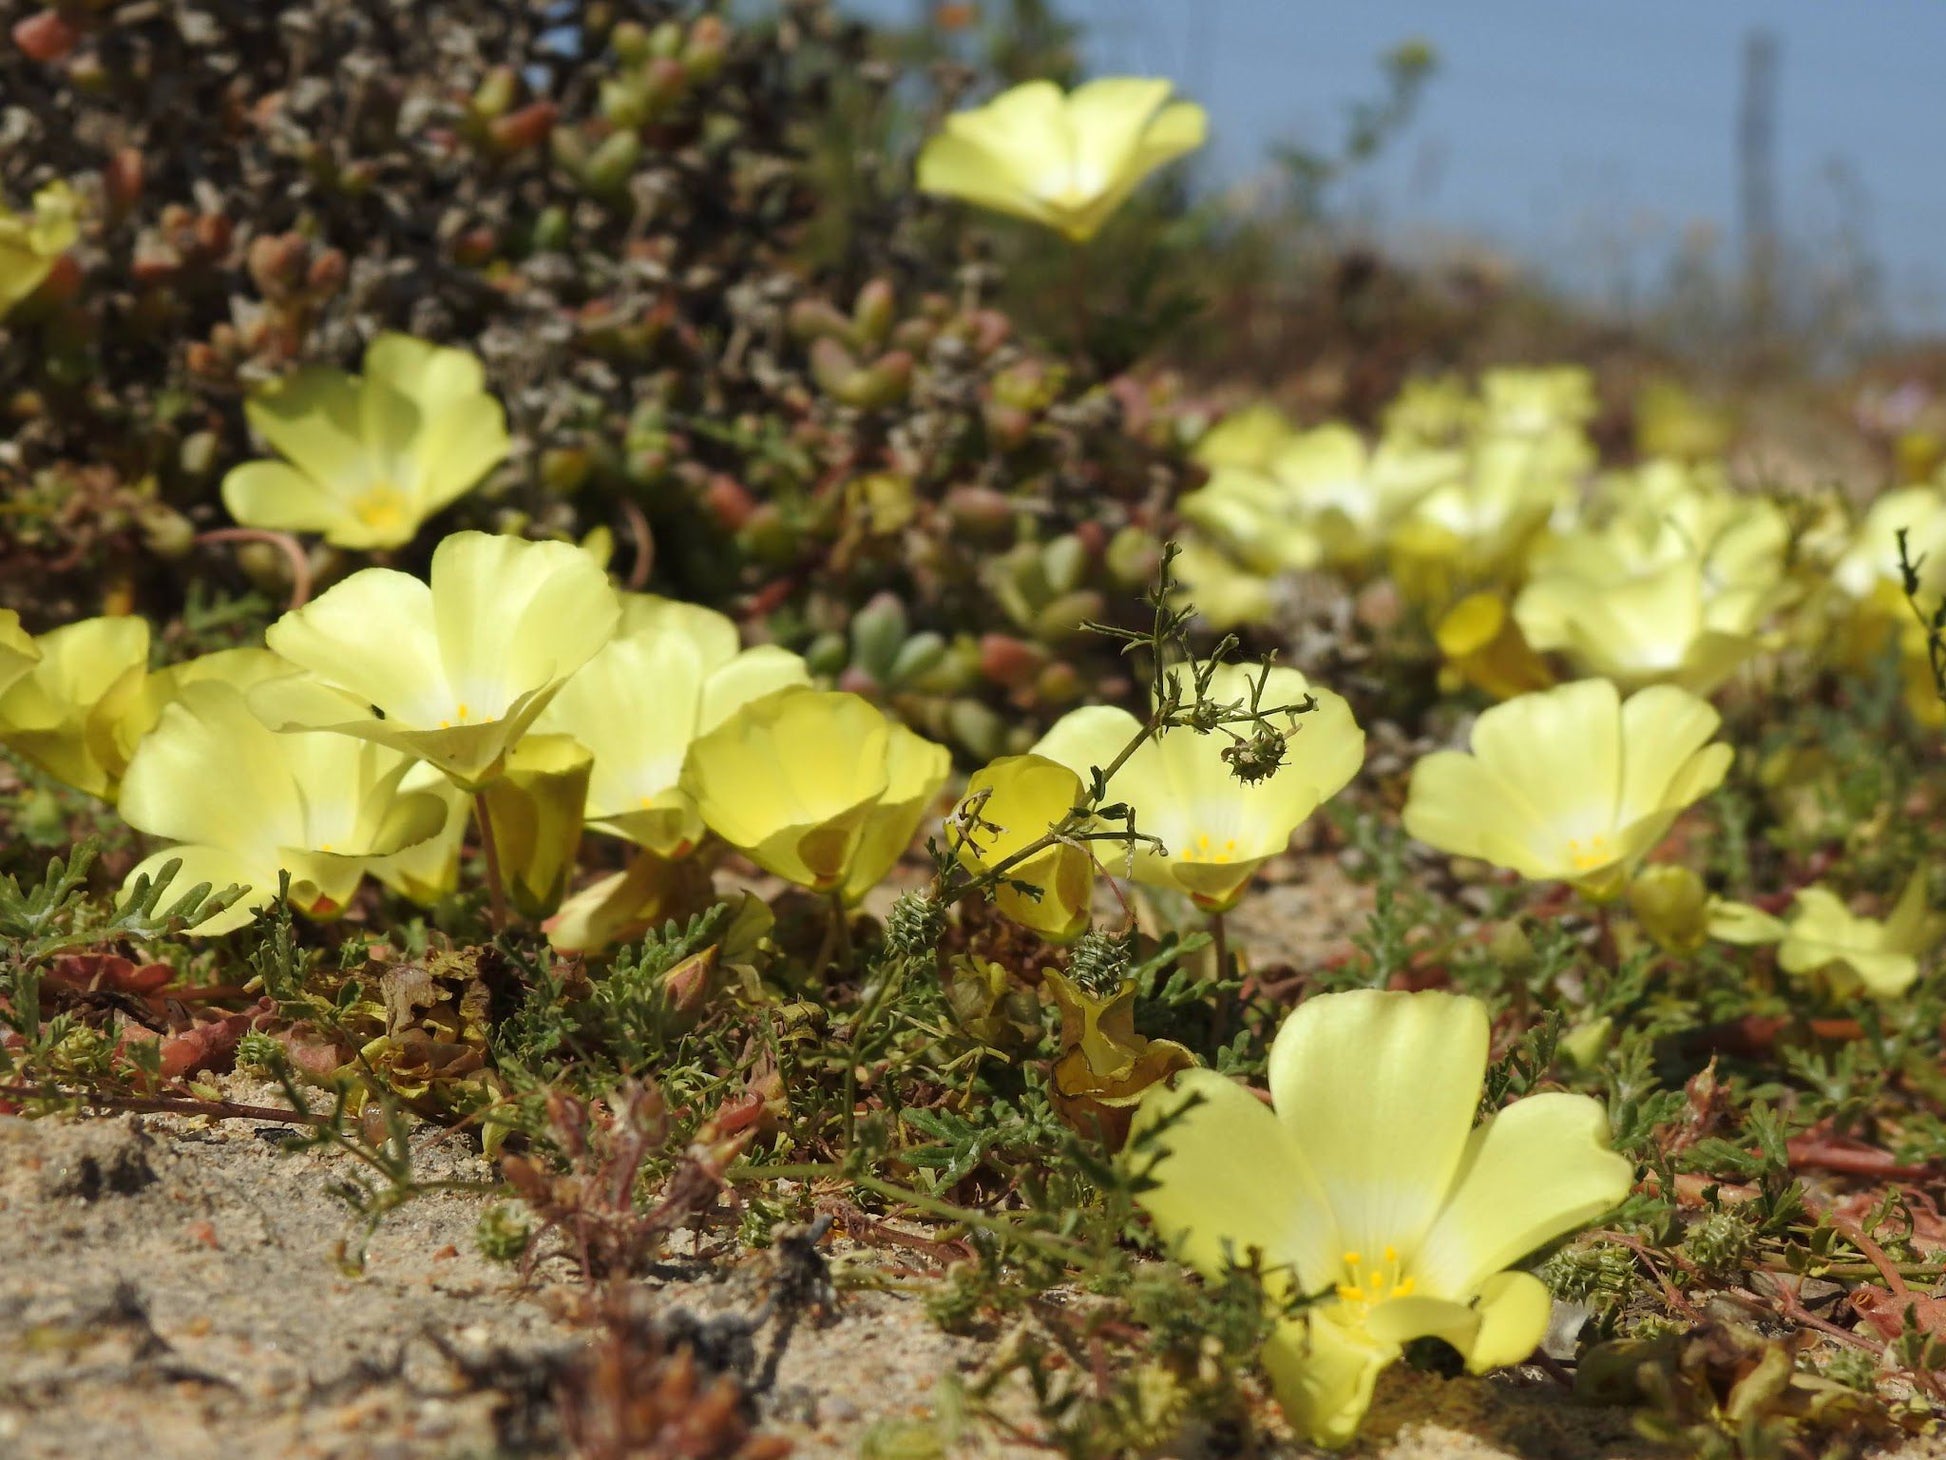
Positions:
{"x": 172, "y": 1287}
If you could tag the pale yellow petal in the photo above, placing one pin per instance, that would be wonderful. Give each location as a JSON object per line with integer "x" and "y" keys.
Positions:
{"x": 1087, "y": 737}
{"x": 513, "y": 616}
{"x": 535, "y": 807}
{"x": 1398, "y": 1321}
{"x": 961, "y": 167}
{"x": 209, "y": 737}
{"x": 713, "y": 635}
{"x": 748, "y": 676}
{"x": 1562, "y": 747}
{"x": 1323, "y": 1375}
{"x": 1665, "y": 730}
{"x": 1514, "y": 1308}
{"x": 1018, "y": 800}
{"x": 915, "y": 770}
{"x": 313, "y": 419}
{"x": 1467, "y": 809}
{"x": 372, "y": 637}
{"x": 431, "y": 376}
{"x": 280, "y": 498}
{"x": 1378, "y": 1090}
{"x": 1533, "y": 1172}
{"x": 1231, "y": 1180}
{"x": 18, "y": 651}
{"x": 455, "y": 448}
{"x": 1739, "y": 922}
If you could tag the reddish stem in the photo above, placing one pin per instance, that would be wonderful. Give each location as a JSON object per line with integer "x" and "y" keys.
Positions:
{"x": 291, "y": 548}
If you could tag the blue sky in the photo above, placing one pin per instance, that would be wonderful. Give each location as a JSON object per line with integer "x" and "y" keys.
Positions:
{"x": 1584, "y": 136}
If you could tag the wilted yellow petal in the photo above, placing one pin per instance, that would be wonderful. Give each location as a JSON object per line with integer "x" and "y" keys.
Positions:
{"x": 1010, "y": 804}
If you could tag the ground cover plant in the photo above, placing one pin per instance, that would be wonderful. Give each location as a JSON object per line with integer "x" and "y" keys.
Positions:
{"x": 557, "y": 586}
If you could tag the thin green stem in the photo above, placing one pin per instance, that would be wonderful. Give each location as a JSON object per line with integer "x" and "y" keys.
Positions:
{"x": 496, "y": 889}
{"x": 1047, "y": 1242}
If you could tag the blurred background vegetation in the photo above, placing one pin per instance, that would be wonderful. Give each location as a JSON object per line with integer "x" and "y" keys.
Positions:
{"x": 917, "y": 443}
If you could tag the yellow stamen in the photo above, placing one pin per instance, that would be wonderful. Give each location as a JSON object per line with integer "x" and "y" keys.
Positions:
{"x": 1365, "y": 1285}
{"x": 381, "y": 506}
{"x": 1202, "y": 850}
{"x": 1589, "y": 854}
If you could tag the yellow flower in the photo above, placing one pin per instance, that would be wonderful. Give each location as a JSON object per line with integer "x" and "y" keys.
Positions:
{"x": 1870, "y": 592}
{"x": 453, "y": 672}
{"x": 427, "y": 872}
{"x": 18, "y": 651}
{"x": 1672, "y": 421}
{"x": 1640, "y": 521}
{"x": 1483, "y": 646}
{"x": 1474, "y": 530}
{"x": 1064, "y": 160}
{"x": 368, "y": 459}
{"x": 1665, "y": 628}
{"x": 915, "y": 771}
{"x": 83, "y": 703}
{"x": 1323, "y": 497}
{"x": 1224, "y": 592}
{"x": 1105, "y": 1068}
{"x": 1868, "y": 568}
{"x": 1824, "y": 937}
{"x": 1248, "y": 513}
{"x": 645, "y": 895}
{"x": 244, "y": 802}
{"x": 1536, "y": 401}
{"x": 30, "y": 246}
{"x": 673, "y": 671}
{"x": 536, "y": 809}
{"x": 1216, "y": 831}
{"x": 1570, "y": 784}
{"x": 1008, "y": 805}
{"x": 1672, "y": 905}
{"x": 1247, "y": 438}
{"x": 816, "y": 786}
{"x": 1371, "y": 1191}
{"x": 1348, "y": 495}
{"x": 1434, "y": 410}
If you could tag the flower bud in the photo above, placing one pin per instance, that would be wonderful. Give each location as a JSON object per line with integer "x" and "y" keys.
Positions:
{"x": 1672, "y": 905}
